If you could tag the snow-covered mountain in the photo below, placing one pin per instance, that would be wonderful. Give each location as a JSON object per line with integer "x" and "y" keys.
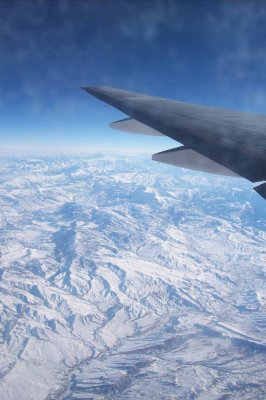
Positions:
{"x": 122, "y": 278}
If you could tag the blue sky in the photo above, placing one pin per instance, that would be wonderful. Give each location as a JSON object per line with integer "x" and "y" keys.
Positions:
{"x": 198, "y": 51}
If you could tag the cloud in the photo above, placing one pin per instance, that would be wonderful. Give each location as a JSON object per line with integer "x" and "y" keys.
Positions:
{"x": 237, "y": 29}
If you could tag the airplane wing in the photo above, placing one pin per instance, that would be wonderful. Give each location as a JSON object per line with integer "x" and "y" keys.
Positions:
{"x": 214, "y": 140}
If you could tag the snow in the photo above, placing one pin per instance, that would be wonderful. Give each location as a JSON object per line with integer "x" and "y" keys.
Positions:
{"x": 125, "y": 279}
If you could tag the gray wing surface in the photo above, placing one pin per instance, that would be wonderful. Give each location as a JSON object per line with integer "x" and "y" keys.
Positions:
{"x": 214, "y": 140}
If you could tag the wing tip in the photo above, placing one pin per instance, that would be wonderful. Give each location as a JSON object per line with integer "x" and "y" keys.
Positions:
{"x": 90, "y": 89}
{"x": 261, "y": 190}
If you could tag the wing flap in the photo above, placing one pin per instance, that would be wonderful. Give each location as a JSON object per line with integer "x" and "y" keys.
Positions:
{"x": 131, "y": 125}
{"x": 187, "y": 158}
